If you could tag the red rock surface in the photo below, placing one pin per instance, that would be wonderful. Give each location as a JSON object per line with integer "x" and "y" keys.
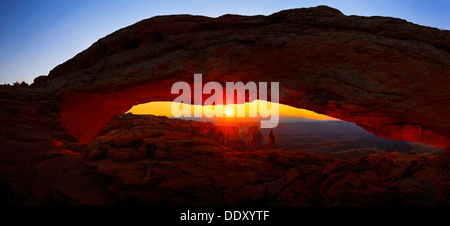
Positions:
{"x": 386, "y": 74}
{"x": 161, "y": 165}
{"x": 233, "y": 136}
{"x": 40, "y": 163}
{"x": 155, "y": 160}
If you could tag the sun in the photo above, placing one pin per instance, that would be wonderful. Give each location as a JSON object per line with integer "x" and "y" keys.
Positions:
{"x": 229, "y": 112}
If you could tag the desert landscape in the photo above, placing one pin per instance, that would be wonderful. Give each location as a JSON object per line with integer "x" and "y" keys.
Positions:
{"x": 67, "y": 139}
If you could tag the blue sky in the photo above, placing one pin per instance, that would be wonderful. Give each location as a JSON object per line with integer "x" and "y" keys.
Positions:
{"x": 37, "y": 35}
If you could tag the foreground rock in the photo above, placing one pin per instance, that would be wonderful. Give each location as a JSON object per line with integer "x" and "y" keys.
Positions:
{"x": 160, "y": 161}
{"x": 163, "y": 165}
{"x": 40, "y": 163}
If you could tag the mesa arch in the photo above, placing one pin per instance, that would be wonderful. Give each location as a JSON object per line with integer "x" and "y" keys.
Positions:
{"x": 387, "y": 75}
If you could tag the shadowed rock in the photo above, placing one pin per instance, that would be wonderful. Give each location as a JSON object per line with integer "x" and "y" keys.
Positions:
{"x": 171, "y": 166}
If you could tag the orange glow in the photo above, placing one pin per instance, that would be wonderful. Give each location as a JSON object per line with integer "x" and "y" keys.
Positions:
{"x": 229, "y": 112}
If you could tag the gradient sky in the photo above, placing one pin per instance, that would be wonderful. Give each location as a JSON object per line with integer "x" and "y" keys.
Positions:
{"x": 37, "y": 35}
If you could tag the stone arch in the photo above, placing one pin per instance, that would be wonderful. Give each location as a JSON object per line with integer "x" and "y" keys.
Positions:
{"x": 387, "y": 75}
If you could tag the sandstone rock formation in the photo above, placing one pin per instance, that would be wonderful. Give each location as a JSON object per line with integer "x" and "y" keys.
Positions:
{"x": 386, "y": 74}
{"x": 40, "y": 163}
{"x": 153, "y": 160}
{"x": 161, "y": 165}
{"x": 232, "y": 136}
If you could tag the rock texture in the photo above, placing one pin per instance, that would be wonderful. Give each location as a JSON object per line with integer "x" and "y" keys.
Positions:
{"x": 232, "y": 136}
{"x": 385, "y": 74}
{"x": 40, "y": 163}
{"x": 149, "y": 160}
{"x": 161, "y": 165}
